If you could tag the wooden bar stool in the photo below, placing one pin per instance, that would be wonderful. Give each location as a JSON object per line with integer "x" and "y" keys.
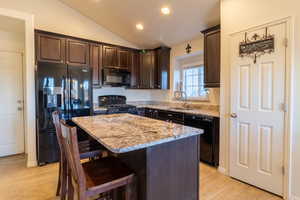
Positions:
{"x": 96, "y": 176}
{"x": 86, "y": 151}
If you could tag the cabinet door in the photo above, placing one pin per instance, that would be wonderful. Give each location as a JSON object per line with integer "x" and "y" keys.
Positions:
{"x": 77, "y": 53}
{"x": 147, "y": 71}
{"x": 50, "y": 48}
{"x": 163, "y": 68}
{"x": 96, "y": 64}
{"x": 124, "y": 58}
{"x": 110, "y": 56}
{"x": 212, "y": 59}
{"x": 135, "y": 70}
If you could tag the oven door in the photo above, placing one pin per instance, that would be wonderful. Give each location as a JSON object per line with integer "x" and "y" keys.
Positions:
{"x": 116, "y": 77}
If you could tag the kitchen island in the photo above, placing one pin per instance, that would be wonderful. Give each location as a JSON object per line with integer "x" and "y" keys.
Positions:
{"x": 164, "y": 156}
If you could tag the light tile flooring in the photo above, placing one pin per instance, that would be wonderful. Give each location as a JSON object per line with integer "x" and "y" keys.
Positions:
{"x": 20, "y": 183}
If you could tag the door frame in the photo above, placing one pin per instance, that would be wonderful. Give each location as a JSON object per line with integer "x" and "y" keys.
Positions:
{"x": 288, "y": 124}
{"x": 28, "y": 83}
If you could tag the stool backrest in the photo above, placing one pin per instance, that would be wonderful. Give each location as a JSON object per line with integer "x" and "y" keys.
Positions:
{"x": 70, "y": 146}
{"x": 55, "y": 118}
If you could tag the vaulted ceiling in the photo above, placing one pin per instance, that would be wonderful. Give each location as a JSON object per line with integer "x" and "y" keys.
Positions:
{"x": 187, "y": 18}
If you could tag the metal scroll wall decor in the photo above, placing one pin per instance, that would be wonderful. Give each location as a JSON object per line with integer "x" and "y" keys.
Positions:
{"x": 188, "y": 48}
{"x": 257, "y": 45}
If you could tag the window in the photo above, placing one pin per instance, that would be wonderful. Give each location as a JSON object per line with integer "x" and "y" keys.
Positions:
{"x": 193, "y": 81}
{"x": 188, "y": 78}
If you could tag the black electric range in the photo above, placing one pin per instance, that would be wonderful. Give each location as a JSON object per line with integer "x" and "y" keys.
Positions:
{"x": 112, "y": 104}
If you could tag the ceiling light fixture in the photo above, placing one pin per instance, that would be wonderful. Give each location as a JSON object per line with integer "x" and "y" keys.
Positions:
{"x": 165, "y": 10}
{"x": 139, "y": 27}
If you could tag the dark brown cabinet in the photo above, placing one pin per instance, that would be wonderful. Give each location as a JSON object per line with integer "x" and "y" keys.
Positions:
{"x": 163, "y": 68}
{"x": 96, "y": 64}
{"x": 77, "y": 53}
{"x": 148, "y": 73}
{"x": 154, "y": 69}
{"x": 50, "y": 48}
{"x": 212, "y": 51}
{"x": 124, "y": 58}
{"x": 149, "y": 69}
{"x": 135, "y": 69}
{"x": 110, "y": 56}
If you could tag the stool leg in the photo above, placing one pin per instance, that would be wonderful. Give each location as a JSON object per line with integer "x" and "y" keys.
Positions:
{"x": 128, "y": 191}
{"x": 70, "y": 187}
{"x": 64, "y": 180}
{"x": 114, "y": 195}
{"x": 59, "y": 180}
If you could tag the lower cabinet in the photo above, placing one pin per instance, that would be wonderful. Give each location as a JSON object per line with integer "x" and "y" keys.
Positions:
{"x": 209, "y": 140}
{"x": 169, "y": 116}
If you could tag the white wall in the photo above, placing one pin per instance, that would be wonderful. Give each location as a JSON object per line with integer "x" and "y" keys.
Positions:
{"x": 237, "y": 15}
{"x": 12, "y": 41}
{"x": 132, "y": 95}
{"x": 54, "y": 16}
{"x": 178, "y": 51}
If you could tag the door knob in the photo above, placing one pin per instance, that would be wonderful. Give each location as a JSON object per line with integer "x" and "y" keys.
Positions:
{"x": 20, "y": 108}
{"x": 233, "y": 115}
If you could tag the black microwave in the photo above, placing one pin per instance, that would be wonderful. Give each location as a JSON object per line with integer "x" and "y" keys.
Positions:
{"x": 116, "y": 77}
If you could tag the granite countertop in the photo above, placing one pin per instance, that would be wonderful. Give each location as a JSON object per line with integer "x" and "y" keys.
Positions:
{"x": 122, "y": 133}
{"x": 196, "y": 109}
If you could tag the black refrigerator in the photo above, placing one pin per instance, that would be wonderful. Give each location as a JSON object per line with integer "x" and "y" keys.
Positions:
{"x": 64, "y": 88}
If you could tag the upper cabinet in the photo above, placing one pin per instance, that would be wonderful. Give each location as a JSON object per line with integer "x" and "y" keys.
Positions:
{"x": 110, "y": 56}
{"x": 148, "y": 73}
{"x": 163, "y": 68}
{"x": 153, "y": 69}
{"x": 212, "y": 49}
{"x": 77, "y": 53}
{"x": 56, "y": 49}
{"x": 124, "y": 58}
{"x": 96, "y": 64}
{"x": 116, "y": 57}
{"x": 50, "y": 48}
{"x": 135, "y": 69}
{"x": 149, "y": 69}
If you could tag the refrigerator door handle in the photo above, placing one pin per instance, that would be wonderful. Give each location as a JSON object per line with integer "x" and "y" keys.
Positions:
{"x": 64, "y": 93}
{"x": 70, "y": 93}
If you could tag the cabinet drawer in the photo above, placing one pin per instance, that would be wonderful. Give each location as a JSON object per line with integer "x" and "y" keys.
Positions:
{"x": 170, "y": 116}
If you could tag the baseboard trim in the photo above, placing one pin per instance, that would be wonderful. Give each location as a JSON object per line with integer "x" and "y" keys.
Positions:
{"x": 222, "y": 170}
{"x": 294, "y": 197}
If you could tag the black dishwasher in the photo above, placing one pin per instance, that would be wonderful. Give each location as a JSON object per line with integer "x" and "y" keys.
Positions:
{"x": 209, "y": 142}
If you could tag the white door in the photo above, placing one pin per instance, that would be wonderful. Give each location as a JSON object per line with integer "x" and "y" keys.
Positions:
{"x": 257, "y": 119}
{"x": 11, "y": 104}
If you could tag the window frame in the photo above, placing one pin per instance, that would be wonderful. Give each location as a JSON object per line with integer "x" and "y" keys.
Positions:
{"x": 189, "y": 66}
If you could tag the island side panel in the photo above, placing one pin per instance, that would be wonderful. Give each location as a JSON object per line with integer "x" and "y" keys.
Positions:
{"x": 136, "y": 160}
{"x": 173, "y": 170}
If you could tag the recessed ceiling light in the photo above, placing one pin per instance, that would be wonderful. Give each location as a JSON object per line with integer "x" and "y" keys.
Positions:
{"x": 165, "y": 10}
{"x": 139, "y": 27}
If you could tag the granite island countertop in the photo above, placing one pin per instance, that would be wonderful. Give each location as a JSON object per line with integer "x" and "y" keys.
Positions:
{"x": 122, "y": 133}
{"x": 195, "y": 109}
